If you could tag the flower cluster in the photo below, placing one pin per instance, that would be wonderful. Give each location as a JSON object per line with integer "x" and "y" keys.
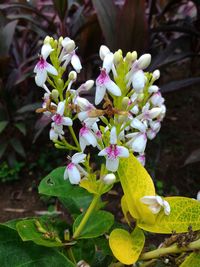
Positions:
{"x": 127, "y": 109}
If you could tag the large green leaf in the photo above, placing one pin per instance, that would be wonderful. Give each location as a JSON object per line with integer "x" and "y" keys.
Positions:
{"x": 193, "y": 260}
{"x": 16, "y": 253}
{"x": 185, "y": 212}
{"x": 34, "y": 230}
{"x": 107, "y": 14}
{"x": 3, "y": 125}
{"x": 136, "y": 183}
{"x": 55, "y": 185}
{"x": 98, "y": 224}
{"x": 127, "y": 247}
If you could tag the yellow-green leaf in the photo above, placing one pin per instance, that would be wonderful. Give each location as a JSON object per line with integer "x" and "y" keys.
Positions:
{"x": 185, "y": 212}
{"x": 125, "y": 210}
{"x": 136, "y": 183}
{"x": 127, "y": 247}
{"x": 95, "y": 187}
{"x": 193, "y": 260}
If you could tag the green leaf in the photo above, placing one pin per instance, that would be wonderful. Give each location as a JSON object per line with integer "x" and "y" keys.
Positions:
{"x": 107, "y": 14}
{"x": 3, "y": 125}
{"x": 16, "y": 253}
{"x": 3, "y": 147}
{"x": 34, "y": 230}
{"x": 98, "y": 224}
{"x": 127, "y": 247}
{"x": 84, "y": 249}
{"x": 193, "y": 260}
{"x": 136, "y": 183}
{"x": 6, "y": 35}
{"x": 21, "y": 127}
{"x": 17, "y": 145}
{"x": 185, "y": 212}
{"x": 61, "y": 7}
{"x": 55, "y": 185}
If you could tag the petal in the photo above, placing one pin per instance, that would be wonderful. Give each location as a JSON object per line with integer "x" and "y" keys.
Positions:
{"x": 139, "y": 144}
{"x": 112, "y": 164}
{"x": 67, "y": 121}
{"x": 144, "y": 61}
{"x": 108, "y": 61}
{"x": 154, "y": 112}
{"x": 78, "y": 158}
{"x": 149, "y": 200}
{"x": 155, "y": 209}
{"x": 91, "y": 139}
{"x": 103, "y": 51}
{"x": 109, "y": 178}
{"x": 75, "y": 61}
{"x": 137, "y": 124}
{"x": 167, "y": 208}
{"x": 66, "y": 176}
{"x": 153, "y": 89}
{"x": 113, "y": 136}
{"x": 112, "y": 87}
{"x": 122, "y": 152}
{"x": 103, "y": 152}
{"x": 83, "y": 143}
{"x": 74, "y": 175}
{"x": 61, "y": 108}
{"x": 138, "y": 81}
{"x": 51, "y": 69}
{"x": 100, "y": 92}
{"x": 151, "y": 134}
{"x": 40, "y": 77}
{"x": 46, "y": 50}
{"x": 53, "y": 135}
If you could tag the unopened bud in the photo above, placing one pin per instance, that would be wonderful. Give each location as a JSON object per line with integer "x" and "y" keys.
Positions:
{"x": 144, "y": 61}
{"x": 82, "y": 263}
{"x": 153, "y": 89}
{"x": 103, "y": 51}
{"x": 140, "y": 97}
{"x": 66, "y": 235}
{"x": 118, "y": 57}
{"x": 88, "y": 84}
{"x": 72, "y": 75}
{"x": 125, "y": 102}
{"x": 68, "y": 44}
{"x": 156, "y": 75}
{"x": 55, "y": 94}
{"x": 60, "y": 40}
{"x": 129, "y": 57}
{"x": 198, "y": 196}
{"x": 109, "y": 178}
{"x": 60, "y": 83}
{"x": 134, "y": 55}
{"x": 47, "y": 39}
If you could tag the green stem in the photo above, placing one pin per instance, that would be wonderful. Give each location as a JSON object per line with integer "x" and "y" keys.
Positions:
{"x": 86, "y": 216}
{"x": 71, "y": 255}
{"x": 74, "y": 137}
{"x": 157, "y": 253}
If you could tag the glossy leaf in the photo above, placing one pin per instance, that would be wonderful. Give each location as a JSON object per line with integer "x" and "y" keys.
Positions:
{"x": 14, "y": 252}
{"x": 98, "y": 224}
{"x": 21, "y": 127}
{"x": 3, "y": 125}
{"x": 17, "y": 145}
{"x": 125, "y": 210}
{"x": 95, "y": 187}
{"x": 30, "y": 231}
{"x": 127, "y": 247}
{"x": 107, "y": 15}
{"x": 185, "y": 212}
{"x": 136, "y": 183}
{"x": 193, "y": 260}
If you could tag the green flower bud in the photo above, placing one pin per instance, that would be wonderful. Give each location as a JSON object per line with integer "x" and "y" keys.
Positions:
{"x": 55, "y": 94}
{"x": 134, "y": 55}
{"x": 72, "y": 75}
{"x": 118, "y": 57}
{"x": 125, "y": 102}
{"x": 140, "y": 97}
{"x": 60, "y": 83}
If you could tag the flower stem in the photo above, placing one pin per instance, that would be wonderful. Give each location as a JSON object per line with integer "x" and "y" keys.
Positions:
{"x": 170, "y": 250}
{"x": 74, "y": 137}
{"x": 86, "y": 216}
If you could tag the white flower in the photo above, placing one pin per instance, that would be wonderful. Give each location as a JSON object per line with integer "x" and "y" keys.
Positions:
{"x": 141, "y": 159}
{"x": 85, "y": 106}
{"x": 137, "y": 142}
{"x": 155, "y": 204}
{"x": 104, "y": 82}
{"x": 74, "y": 59}
{"x": 113, "y": 152}
{"x": 55, "y": 132}
{"x": 156, "y": 99}
{"x": 87, "y": 137}
{"x": 43, "y": 67}
{"x": 59, "y": 118}
{"x": 73, "y": 170}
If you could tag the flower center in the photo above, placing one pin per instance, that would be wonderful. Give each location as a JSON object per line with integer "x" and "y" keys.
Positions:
{"x": 112, "y": 151}
{"x": 103, "y": 77}
{"x": 58, "y": 119}
{"x": 70, "y": 166}
{"x": 42, "y": 64}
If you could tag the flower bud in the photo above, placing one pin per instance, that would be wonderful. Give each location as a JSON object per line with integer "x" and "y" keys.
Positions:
{"x": 68, "y": 44}
{"x": 118, "y": 57}
{"x": 153, "y": 89}
{"x": 109, "y": 178}
{"x": 82, "y": 263}
{"x": 156, "y": 75}
{"x": 134, "y": 55}
{"x": 88, "y": 84}
{"x": 198, "y": 196}
{"x": 72, "y": 75}
{"x": 129, "y": 57}
{"x": 125, "y": 102}
{"x": 144, "y": 61}
{"x": 140, "y": 97}
{"x": 60, "y": 83}
{"x": 66, "y": 235}
{"x": 103, "y": 51}
{"x": 60, "y": 40}
{"x": 55, "y": 94}
{"x": 47, "y": 39}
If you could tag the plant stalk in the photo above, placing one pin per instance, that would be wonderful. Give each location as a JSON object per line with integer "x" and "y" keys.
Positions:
{"x": 74, "y": 137}
{"x": 157, "y": 253}
{"x": 86, "y": 216}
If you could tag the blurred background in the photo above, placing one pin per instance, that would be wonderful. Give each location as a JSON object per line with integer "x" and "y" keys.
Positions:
{"x": 169, "y": 30}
